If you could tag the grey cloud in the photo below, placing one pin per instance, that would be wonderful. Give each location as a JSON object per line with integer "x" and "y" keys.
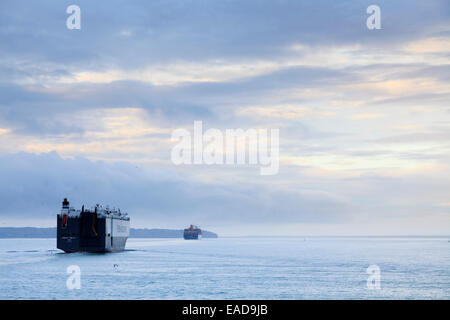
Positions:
{"x": 33, "y": 186}
{"x": 31, "y": 110}
{"x": 440, "y": 73}
{"x": 34, "y": 42}
{"x": 198, "y": 30}
{"x": 426, "y": 99}
{"x": 442, "y": 135}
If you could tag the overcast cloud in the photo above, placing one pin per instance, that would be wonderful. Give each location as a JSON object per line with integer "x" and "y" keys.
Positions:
{"x": 363, "y": 114}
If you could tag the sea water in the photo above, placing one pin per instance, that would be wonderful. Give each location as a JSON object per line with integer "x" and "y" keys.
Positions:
{"x": 231, "y": 268}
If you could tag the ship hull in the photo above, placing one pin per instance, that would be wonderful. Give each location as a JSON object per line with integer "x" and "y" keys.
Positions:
{"x": 192, "y": 236}
{"x": 88, "y": 233}
{"x": 68, "y": 237}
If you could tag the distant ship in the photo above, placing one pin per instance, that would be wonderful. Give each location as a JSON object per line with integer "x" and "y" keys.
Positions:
{"x": 192, "y": 233}
{"x": 96, "y": 230}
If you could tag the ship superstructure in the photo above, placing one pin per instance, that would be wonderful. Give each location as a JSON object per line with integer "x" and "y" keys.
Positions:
{"x": 192, "y": 233}
{"x": 99, "y": 229}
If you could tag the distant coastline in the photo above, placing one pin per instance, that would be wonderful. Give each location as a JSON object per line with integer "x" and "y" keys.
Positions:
{"x": 31, "y": 232}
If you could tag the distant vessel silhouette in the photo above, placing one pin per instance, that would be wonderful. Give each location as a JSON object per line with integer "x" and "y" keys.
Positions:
{"x": 192, "y": 233}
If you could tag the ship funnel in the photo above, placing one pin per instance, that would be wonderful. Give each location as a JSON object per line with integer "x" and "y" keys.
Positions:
{"x": 65, "y": 203}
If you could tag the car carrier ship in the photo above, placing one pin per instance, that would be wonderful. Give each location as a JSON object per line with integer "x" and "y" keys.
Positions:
{"x": 96, "y": 230}
{"x": 192, "y": 233}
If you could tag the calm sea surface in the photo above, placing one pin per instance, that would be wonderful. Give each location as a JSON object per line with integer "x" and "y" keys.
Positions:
{"x": 231, "y": 268}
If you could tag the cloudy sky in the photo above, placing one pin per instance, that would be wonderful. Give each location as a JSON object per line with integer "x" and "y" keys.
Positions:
{"x": 364, "y": 115}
